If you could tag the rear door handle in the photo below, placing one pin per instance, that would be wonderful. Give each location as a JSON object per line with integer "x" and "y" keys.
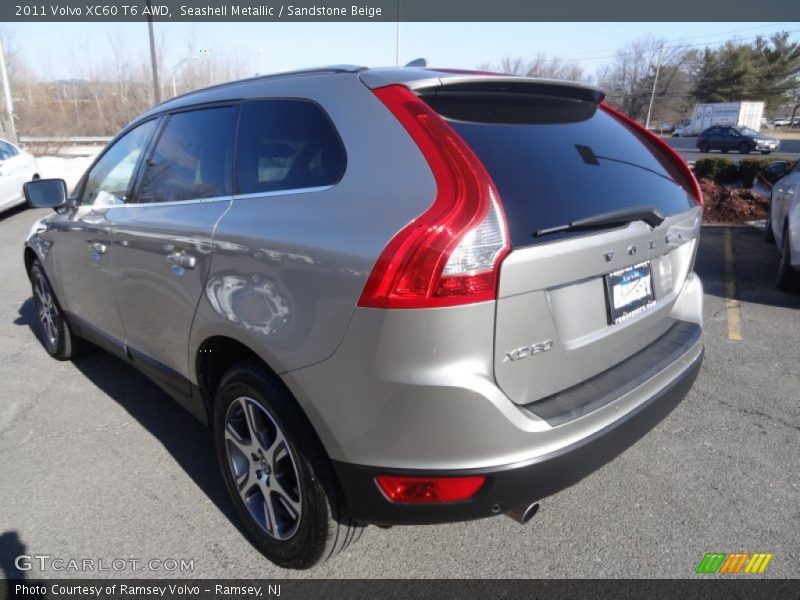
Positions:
{"x": 98, "y": 248}
{"x": 187, "y": 261}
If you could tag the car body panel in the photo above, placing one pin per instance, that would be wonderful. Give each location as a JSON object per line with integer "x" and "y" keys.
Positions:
{"x": 417, "y": 388}
{"x": 785, "y": 213}
{"x": 566, "y": 305}
{"x": 83, "y": 265}
{"x": 157, "y": 295}
{"x": 304, "y": 277}
{"x": 282, "y": 273}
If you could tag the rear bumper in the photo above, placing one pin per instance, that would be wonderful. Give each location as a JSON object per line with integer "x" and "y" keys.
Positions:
{"x": 514, "y": 485}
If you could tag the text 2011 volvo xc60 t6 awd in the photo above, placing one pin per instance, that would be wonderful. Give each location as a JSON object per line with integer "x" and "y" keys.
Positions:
{"x": 396, "y": 295}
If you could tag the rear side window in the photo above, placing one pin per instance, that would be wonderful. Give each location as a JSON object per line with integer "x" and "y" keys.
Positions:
{"x": 555, "y": 160}
{"x": 7, "y": 151}
{"x": 193, "y": 157}
{"x": 286, "y": 145}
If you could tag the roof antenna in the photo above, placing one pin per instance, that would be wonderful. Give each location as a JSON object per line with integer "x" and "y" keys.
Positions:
{"x": 418, "y": 62}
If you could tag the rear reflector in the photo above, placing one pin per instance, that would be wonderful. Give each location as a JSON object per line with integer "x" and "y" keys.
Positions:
{"x": 451, "y": 253}
{"x": 419, "y": 490}
{"x": 687, "y": 179}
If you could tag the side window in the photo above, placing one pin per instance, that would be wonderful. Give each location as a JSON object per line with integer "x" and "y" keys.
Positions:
{"x": 193, "y": 157}
{"x": 7, "y": 150}
{"x": 286, "y": 145}
{"x": 108, "y": 182}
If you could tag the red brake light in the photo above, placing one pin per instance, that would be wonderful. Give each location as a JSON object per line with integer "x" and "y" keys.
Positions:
{"x": 690, "y": 183}
{"x": 417, "y": 490}
{"x": 451, "y": 253}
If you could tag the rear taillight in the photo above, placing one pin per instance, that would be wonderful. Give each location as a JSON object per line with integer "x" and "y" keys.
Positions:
{"x": 451, "y": 253}
{"x": 687, "y": 179}
{"x": 421, "y": 490}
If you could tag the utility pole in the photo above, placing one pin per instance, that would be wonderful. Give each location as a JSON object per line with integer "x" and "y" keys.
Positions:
{"x": 9, "y": 127}
{"x": 397, "y": 38}
{"x": 156, "y": 85}
{"x": 182, "y": 62}
{"x": 655, "y": 83}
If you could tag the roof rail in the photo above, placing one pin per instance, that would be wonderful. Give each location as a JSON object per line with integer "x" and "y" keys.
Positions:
{"x": 316, "y": 70}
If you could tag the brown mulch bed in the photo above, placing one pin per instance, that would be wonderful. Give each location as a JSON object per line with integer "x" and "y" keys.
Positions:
{"x": 731, "y": 205}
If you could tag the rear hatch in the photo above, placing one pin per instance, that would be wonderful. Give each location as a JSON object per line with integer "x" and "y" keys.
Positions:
{"x": 573, "y": 303}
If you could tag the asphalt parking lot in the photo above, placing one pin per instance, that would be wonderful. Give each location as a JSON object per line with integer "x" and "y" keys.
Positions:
{"x": 96, "y": 462}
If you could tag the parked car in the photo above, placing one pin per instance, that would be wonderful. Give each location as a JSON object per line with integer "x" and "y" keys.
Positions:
{"x": 742, "y": 139}
{"x": 16, "y": 167}
{"x": 774, "y": 171}
{"x": 783, "y": 227}
{"x": 360, "y": 279}
{"x": 787, "y": 122}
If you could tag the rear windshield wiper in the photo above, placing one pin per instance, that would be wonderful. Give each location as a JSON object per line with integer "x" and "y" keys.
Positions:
{"x": 649, "y": 214}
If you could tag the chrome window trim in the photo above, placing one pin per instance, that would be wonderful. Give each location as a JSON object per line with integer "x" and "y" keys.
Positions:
{"x": 174, "y": 202}
{"x": 306, "y": 190}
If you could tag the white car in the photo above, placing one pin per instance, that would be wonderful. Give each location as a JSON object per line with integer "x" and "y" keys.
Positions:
{"x": 16, "y": 167}
{"x": 783, "y": 227}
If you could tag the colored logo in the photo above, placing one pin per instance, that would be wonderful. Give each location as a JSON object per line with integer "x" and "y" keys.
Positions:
{"x": 735, "y": 562}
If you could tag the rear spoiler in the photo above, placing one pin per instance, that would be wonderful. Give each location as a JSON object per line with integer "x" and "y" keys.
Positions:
{"x": 494, "y": 87}
{"x": 429, "y": 81}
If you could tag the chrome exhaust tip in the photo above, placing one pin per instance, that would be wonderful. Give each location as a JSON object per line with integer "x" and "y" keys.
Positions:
{"x": 523, "y": 514}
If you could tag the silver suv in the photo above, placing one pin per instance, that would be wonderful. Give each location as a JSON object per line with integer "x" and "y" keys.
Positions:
{"x": 397, "y": 296}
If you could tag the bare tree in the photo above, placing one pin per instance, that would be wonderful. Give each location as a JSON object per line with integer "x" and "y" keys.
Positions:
{"x": 628, "y": 79}
{"x": 540, "y": 66}
{"x": 555, "y": 68}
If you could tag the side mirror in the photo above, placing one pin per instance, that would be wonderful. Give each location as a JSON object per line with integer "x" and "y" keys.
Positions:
{"x": 45, "y": 193}
{"x": 774, "y": 171}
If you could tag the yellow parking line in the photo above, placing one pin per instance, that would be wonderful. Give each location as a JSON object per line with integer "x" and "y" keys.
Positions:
{"x": 734, "y": 322}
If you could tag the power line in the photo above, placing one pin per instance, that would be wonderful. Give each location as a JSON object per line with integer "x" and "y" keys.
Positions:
{"x": 667, "y": 46}
{"x": 679, "y": 41}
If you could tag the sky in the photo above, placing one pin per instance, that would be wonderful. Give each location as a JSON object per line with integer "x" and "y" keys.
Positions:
{"x": 51, "y": 48}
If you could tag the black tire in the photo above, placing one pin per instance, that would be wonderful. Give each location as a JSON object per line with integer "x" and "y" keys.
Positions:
{"x": 769, "y": 235}
{"x": 323, "y": 527}
{"x": 788, "y": 280}
{"x": 744, "y": 148}
{"x": 703, "y": 147}
{"x": 724, "y": 150}
{"x": 766, "y": 151}
{"x": 57, "y": 336}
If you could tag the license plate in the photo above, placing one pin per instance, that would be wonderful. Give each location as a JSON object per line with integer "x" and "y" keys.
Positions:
{"x": 629, "y": 291}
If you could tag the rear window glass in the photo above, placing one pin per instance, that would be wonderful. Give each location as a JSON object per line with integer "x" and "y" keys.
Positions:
{"x": 557, "y": 160}
{"x": 193, "y": 157}
{"x": 286, "y": 145}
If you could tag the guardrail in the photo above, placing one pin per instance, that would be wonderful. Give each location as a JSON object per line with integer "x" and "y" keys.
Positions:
{"x": 75, "y": 139}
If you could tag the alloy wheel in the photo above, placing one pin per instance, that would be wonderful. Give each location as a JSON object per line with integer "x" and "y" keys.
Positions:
{"x": 47, "y": 309}
{"x": 263, "y": 468}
